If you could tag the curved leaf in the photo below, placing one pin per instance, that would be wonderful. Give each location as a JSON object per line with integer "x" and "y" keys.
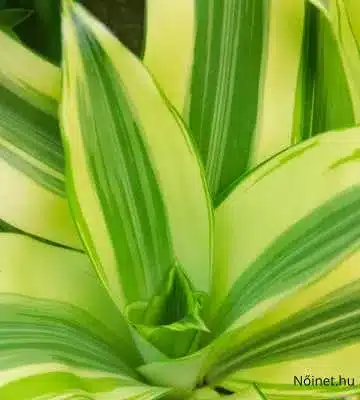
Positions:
{"x": 47, "y": 381}
{"x": 343, "y": 16}
{"x": 313, "y": 332}
{"x": 324, "y": 99}
{"x": 136, "y": 188}
{"x": 240, "y": 69}
{"x": 286, "y": 223}
{"x": 29, "y": 133}
{"x": 31, "y": 208}
{"x": 57, "y": 340}
{"x": 171, "y": 319}
{"x": 31, "y": 155}
{"x": 39, "y": 292}
{"x": 182, "y": 373}
{"x": 224, "y": 88}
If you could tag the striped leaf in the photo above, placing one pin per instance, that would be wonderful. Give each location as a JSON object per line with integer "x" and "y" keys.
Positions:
{"x": 293, "y": 307}
{"x": 7, "y": 228}
{"x": 135, "y": 185}
{"x": 324, "y": 99}
{"x": 283, "y": 225}
{"x": 31, "y": 155}
{"x": 240, "y": 69}
{"x": 345, "y": 22}
{"x": 29, "y": 133}
{"x": 56, "y": 340}
{"x": 170, "y": 320}
{"x": 39, "y": 291}
{"x": 56, "y": 382}
{"x": 254, "y": 392}
{"x": 30, "y": 208}
{"x": 315, "y": 333}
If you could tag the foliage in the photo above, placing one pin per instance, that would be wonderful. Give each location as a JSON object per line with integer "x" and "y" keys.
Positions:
{"x": 185, "y": 226}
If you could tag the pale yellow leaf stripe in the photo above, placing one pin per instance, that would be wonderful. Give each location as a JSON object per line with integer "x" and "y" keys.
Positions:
{"x": 279, "y": 194}
{"x": 280, "y": 70}
{"x": 145, "y": 125}
{"x": 233, "y": 76}
{"x": 33, "y": 209}
{"x": 276, "y": 376}
{"x": 31, "y": 174}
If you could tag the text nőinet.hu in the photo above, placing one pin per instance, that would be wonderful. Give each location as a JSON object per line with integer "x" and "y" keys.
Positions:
{"x": 310, "y": 380}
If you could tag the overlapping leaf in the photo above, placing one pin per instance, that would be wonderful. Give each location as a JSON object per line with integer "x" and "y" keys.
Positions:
{"x": 31, "y": 157}
{"x": 286, "y": 280}
{"x": 29, "y": 130}
{"x": 295, "y": 223}
{"x": 324, "y": 96}
{"x": 343, "y": 16}
{"x": 56, "y": 339}
{"x": 292, "y": 307}
{"x": 135, "y": 185}
{"x": 247, "y": 81}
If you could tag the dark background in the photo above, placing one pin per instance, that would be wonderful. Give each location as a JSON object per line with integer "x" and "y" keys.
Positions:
{"x": 124, "y": 17}
{"x": 41, "y": 30}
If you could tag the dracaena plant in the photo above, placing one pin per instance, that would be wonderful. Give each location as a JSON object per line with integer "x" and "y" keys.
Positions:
{"x": 180, "y": 227}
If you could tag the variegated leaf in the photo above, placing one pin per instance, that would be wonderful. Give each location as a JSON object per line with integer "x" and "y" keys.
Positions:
{"x": 135, "y": 185}
{"x": 248, "y": 82}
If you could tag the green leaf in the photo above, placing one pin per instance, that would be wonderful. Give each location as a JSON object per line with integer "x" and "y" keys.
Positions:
{"x": 343, "y": 16}
{"x": 240, "y": 69}
{"x": 222, "y": 52}
{"x": 171, "y": 319}
{"x": 250, "y": 392}
{"x": 10, "y": 18}
{"x": 29, "y": 132}
{"x": 205, "y": 394}
{"x": 40, "y": 285}
{"x": 183, "y": 373}
{"x": 135, "y": 185}
{"x": 31, "y": 208}
{"x": 315, "y": 331}
{"x": 72, "y": 384}
{"x": 31, "y": 155}
{"x": 57, "y": 339}
{"x": 324, "y": 100}
{"x": 5, "y": 227}
{"x": 284, "y": 225}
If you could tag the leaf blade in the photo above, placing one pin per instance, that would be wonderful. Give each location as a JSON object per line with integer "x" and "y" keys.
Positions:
{"x": 332, "y": 158}
{"x": 323, "y": 320}
{"x": 33, "y": 291}
{"x": 152, "y": 156}
{"x": 31, "y": 154}
{"x": 232, "y": 46}
{"x": 282, "y": 75}
{"x": 55, "y": 338}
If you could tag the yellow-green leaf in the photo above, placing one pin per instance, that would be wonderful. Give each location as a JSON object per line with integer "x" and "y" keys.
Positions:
{"x": 31, "y": 156}
{"x": 248, "y": 83}
{"x": 57, "y": 340}
{"x": 135, "y": 184}
{"x": 287, "y": 222}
